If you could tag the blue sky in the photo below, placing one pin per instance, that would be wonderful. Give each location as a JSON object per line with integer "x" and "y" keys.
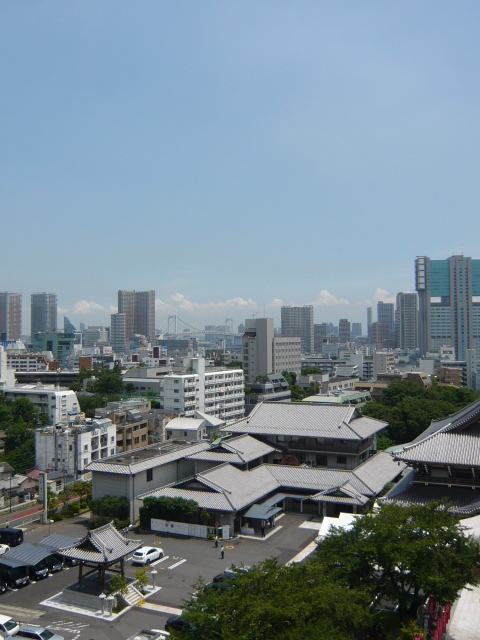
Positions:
{"x": 235, "y": 156}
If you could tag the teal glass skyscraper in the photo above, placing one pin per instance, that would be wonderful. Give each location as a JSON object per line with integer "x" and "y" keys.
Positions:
{"x": 448, "y": 304}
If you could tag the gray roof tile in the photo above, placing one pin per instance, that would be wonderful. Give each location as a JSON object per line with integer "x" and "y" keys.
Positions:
{"x": 104, "y": 545}
{"x": 308, "y": 420}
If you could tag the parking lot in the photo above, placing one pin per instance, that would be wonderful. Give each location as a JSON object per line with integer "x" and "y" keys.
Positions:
{"x": 184, "y": 562}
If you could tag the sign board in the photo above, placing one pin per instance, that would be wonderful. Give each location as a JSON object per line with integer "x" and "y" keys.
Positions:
{"x": 42, "y": 486}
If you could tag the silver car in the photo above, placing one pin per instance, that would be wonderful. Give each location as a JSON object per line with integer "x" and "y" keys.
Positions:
{"x": 37, "y": 632}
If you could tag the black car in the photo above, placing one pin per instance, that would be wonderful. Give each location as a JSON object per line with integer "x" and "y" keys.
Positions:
{"x": 177, "y": 623}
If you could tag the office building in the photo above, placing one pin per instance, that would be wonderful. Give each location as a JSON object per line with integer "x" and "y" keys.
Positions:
{"x": 386, "y": 315}
{"x": 448, "y": 304}
{"x": 406, "y": 318}
{"x": 118, "y": 332}
{"x": 369, "y": 322}
{"x": 380, "y": 335}
{"x": 319, "y": 336}
{"x": 356, "y": 330}
{"x": 263, "y": 353}
{"x": 43, "y": 313}
{"x": 139, "y": 310}
{"x": 297, "y": 322}
{"x": 10, "y": 316}
{"x": 60, "y": 344}
{"x": 344, "y": 331}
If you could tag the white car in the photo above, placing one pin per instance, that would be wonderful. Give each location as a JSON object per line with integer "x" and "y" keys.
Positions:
{"x": 8, "y": 626}
{"x": 147, "y": 555}
{"x": 4, "y": 548}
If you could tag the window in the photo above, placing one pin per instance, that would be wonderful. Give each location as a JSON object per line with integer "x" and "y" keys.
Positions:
{"x": 85, "y": 447}
{"x": 149, "y": 475}
{"x": 341, "y": 459}
{"x": 112, "y": 439}
{"x": 85, "y": 461}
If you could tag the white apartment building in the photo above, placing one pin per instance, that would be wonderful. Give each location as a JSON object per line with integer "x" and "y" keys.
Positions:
{"x": 383, "y": 362}
{"x": 263, "y": 353}
{"x": 27, "y": 362}
{"x": 71, "y": 449}
{"x": 60, "y": 405}
{"x": 217, "y": 392}
{"x": 7, "y": 376}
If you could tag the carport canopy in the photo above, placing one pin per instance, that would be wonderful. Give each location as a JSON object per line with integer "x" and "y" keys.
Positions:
{"x": 261, "y": 512}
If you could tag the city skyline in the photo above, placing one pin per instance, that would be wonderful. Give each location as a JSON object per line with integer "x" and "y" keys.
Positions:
{"x": 235, "y": 157}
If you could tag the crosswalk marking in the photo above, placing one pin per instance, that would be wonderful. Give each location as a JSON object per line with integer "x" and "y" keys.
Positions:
{"x": 177, "y": 564}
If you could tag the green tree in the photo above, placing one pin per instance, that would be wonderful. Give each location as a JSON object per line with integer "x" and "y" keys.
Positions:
{"x": 24, "y": 410}
{"x": 401, "y": 554}
{"x": 286, "y": 603}
{"x": 142, "y": 578}
{"x": 290, "y": 377}
{"x": 306, "y": 371}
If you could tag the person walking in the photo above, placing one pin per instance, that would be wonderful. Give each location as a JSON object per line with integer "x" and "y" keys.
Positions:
{"x": 222, "y": 552}
{"x": 263, "y": 530}
{"x": 216, "y": 542}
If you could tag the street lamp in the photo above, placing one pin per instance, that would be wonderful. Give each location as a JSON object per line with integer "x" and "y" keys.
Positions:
{"x": 50, "y": 522}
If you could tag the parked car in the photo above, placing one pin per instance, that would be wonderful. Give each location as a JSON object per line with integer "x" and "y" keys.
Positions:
{"x": 4, "y": 548}
{"x": 37, "y": 632}
{"x": 230, "y": 573}
{"x": 12, "y": 537}
{"x": 8, "y": 626}
{"x": 177, "y": 623}
{"x": 146, "y": 555}
{"x": 3, "y": 587}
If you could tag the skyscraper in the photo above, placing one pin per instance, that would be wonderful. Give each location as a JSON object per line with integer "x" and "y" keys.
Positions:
{"x": 386, "y": 315}
{"x": 406, "y": 321}
{"x": 10, "y": 315}
{"x": 344, "y": 330}
{"x": 43, "y": 313}
{"x": 297, "y": 322}
{"x": 448, "y": 304}
{"x": 369, "y": 322}
{"x": 139, "y": 310}
{"x": 117, "y": 331}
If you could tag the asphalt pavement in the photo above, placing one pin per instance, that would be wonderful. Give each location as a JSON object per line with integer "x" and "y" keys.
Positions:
{"x": 185, "y": 562}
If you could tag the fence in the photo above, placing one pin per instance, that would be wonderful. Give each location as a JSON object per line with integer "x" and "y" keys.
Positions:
{"x": 179, "y": 528}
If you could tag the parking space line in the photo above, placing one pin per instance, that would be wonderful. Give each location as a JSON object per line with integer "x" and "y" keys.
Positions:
{"x": 177, "y": 564}
{"x": 159, "y": 560}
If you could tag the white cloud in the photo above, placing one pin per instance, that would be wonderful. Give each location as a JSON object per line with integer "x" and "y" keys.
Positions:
{"x": 379, "y": 295}
{"x": 83, "y": 307}
{"x": 62, "y": 311}
{"x": 327, "y": 299}
{"x": 233, "y": 304}
{"x": 277, "y": 303}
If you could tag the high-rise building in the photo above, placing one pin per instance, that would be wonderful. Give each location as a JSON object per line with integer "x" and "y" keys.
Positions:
{"x": 356, "y": 330}
{"x": 406, "y": 321}
{"x": 297, "y": 322}
{"x": 344, "y": 330}
{"x": 139, "y": 310}
{"x": 263, "y": 353}
{"x": 386, "y": 315}
{"x": 448, "y": 304}
{"x": 369, "y": 322}
{"x": 117, "y": 330}
{"x": 43, "y": 313}
{"x": 10, "y": 316}
{"x": 319, "y": 336}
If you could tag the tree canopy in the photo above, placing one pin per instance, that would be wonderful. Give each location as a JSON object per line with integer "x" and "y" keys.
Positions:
{"x": 19, "y": 418}
{"x": 275, "y": 601}
{"x": 409, "y": 409}
{"x": 403, "y": 555}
